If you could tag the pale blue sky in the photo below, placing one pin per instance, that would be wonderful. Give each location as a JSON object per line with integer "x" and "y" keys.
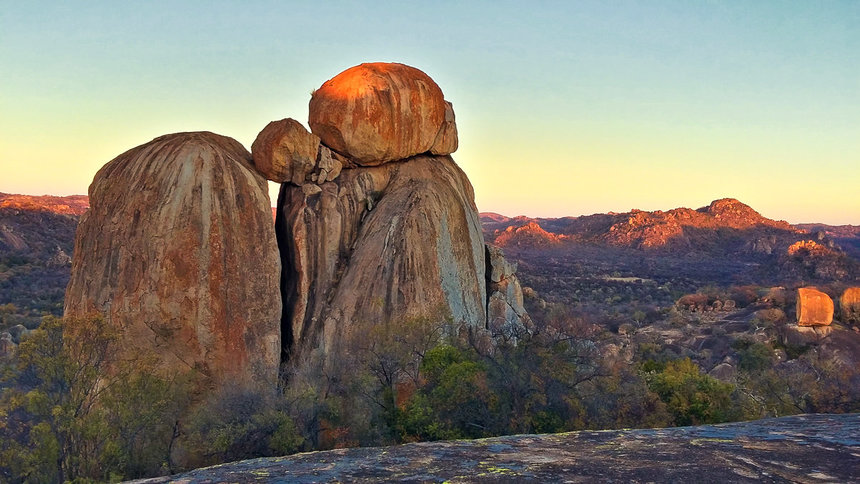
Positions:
{"x": 564, "y": 108}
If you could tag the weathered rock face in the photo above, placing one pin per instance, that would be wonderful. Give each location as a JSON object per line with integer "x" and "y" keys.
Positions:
{"x": 814, "y": 308}
{"x": 379, "y": 112}
{"x": 447, "y": 140}
{"x": 850, "y": 305}
{"x": 392, "y": 242}
{"x": 505, "y": 312}
{"x": 178, "y": 250}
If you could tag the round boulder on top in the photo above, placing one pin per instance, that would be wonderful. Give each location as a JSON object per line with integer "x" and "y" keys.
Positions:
{"x": 379, "y": 112}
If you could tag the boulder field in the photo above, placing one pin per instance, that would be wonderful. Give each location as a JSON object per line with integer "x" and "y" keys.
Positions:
{"x": 375, "y": 223}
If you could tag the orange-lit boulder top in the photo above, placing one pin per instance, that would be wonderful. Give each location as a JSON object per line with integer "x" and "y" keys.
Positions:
{"x": 814, "y": 308}
{"x": 379, "y": 112}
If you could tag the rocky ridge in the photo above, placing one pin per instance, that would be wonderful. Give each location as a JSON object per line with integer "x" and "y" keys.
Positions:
{"x": 74, "y": 205}
{"x": 724, "y": 228}
{"x": 643, "y": 230}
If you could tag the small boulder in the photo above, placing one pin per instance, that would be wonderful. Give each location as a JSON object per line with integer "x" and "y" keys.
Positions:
{"x": 379, "y": 112}
{"x": 850, "y": 305}
{"x": 7, "y": 345}
{"x": 285, "y": 151}
{"x": 722, "y": 372}
{"x": 18, "y": 332}
{"x": 814, "y": 308}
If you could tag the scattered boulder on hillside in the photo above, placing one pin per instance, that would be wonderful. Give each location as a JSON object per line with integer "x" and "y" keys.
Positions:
{"x": 814, "y": 308}
{"x": 178, "y": 250}
{"x": 379, "y": 112}
{"x": 506, "y": 315}
{"x": 850, "y": 305}
{"x": 723, "y": 372}
{"x": 18, "y": 333}
{"x": 7, "y": 345}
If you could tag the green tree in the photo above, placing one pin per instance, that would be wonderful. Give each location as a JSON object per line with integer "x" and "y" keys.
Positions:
{"x": 239, "y": 422}
{"x": 74, "y": 407}
{"x": 692, "y": 397}
{"x": 455, "y": 402}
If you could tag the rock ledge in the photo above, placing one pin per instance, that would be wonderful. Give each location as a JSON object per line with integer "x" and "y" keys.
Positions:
{"x": 801, "y": 448}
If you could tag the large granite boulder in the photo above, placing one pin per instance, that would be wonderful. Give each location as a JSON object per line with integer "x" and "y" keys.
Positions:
{"x": 387, "y": 243}
{"x": 849, "y": 303}
{"x": 178, "y": 251}
{"x": 814, "y": 308}
{"x": 379, "y": 112}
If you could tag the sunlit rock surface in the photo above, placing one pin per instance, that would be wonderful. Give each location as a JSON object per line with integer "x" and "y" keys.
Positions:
{"x": 803, "y": 448}
{"x": 814, "y": 308}
{"x": 379, "y": 112}
{"x": 178, "y": 251}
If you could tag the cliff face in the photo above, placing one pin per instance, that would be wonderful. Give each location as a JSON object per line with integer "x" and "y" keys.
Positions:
{"x": 178, "y": 251}
{"x": 393, "y": 242}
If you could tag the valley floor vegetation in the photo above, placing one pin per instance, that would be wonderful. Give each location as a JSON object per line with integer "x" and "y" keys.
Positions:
{"x": 75, "y": 407}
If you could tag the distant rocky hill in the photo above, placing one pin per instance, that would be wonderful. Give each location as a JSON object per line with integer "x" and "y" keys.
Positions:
{"x": 36, "y": 239}
{"x": 803, "y": 448}
{"x": 719, "y": 222}
{"x": 726, "y": 230}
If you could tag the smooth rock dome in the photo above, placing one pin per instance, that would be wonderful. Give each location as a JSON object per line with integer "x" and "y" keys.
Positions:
{"x": 379, "y": 112}
{"x": 178, "y": 251}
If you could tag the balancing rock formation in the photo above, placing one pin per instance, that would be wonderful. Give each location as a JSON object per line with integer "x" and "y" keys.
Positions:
{"x": 396, "y": 235}
{"x": 178, "y": 251}
{"x": 375, "y": 223}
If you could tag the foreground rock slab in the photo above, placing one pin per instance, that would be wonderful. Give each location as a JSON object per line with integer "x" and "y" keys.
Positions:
{"x": 802, "y": 448}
